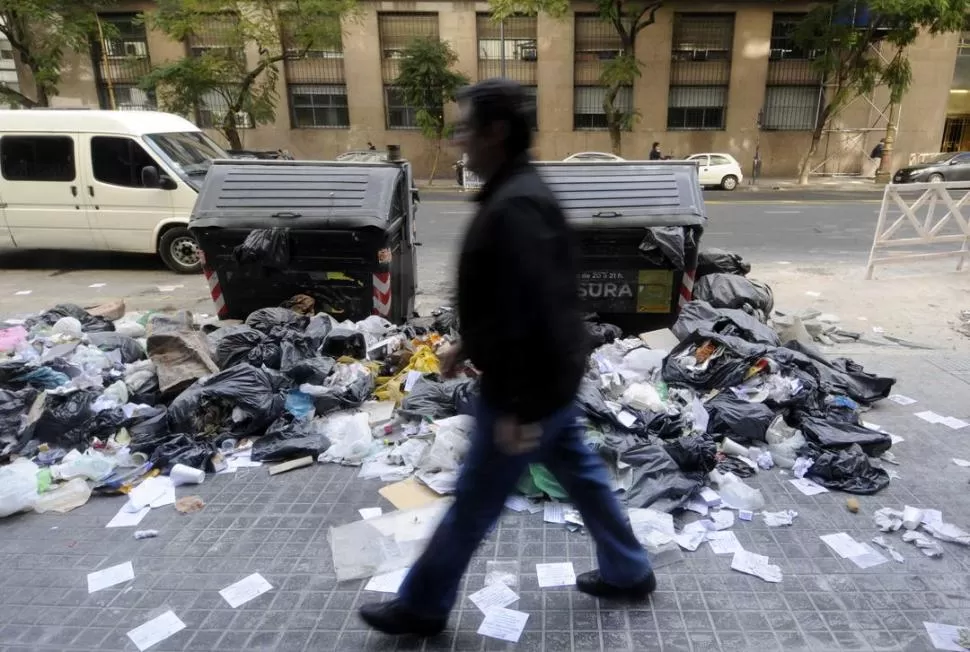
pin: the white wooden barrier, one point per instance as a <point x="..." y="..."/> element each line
<point x="932" y="216"/>
<point x="470" y="181"/>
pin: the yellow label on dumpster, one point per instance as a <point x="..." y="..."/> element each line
<point x="654" y="289"/>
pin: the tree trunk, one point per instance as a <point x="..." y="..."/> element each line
<point x="230" y="131"/>
<point x="41" y="91"/>
<point x="805" y="166"/>
<point x="614" y="118"/>
<point x="434" y="161"/>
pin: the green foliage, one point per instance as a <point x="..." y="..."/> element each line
<point x="42" y="33"/>
<point x="427" y="81"/>
<point x="224" y="29"/>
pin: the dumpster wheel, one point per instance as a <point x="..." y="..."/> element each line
<point x="179" y="251"/>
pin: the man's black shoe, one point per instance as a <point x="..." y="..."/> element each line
<point x="592" y="584"/>
<point x="397" y="620"/>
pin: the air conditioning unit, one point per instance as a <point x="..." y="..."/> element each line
<point x="243" y="119"/>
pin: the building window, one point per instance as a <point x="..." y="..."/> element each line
<point x="120" y="61"/>
<point x="596" y="42"/>
<point x="794" y="88"/>
<point x="315" y="81"/>
<point x="37" y="158"/>
<point x="320" y="105"/>
<point x="700" y="71"/>
<point x="532" y="93"/>
<point x="588" y="110"/>
<point x="519" y="34"/>
<point x="396" y="31"/>
<point x="217" y="35"/>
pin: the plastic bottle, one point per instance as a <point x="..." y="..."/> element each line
<point x="92" y="465"/>
<point x="65" y="498"/>
<point x="146" y="534"/>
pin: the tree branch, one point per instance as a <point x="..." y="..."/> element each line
<point x="16" y="96"/>
<point x="652" y="8"/>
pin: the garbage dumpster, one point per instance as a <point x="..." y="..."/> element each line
<point x="639" y="226"/>
<point x="346" y="232"/>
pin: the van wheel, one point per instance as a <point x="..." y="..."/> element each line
<point x="729" y="182"/>
<point x="179" y="251"/>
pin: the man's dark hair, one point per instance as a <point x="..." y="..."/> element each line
<point x="656" y="144"/>
<point x="501" y="100"/>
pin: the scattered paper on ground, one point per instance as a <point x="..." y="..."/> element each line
<point x="724" y="543"/>
<point x="408" y="494"/>
<point x="953" y="423"/>
<point x="245" y="590"/>
<point x="808" y="487"/>
<point x="126" y="518"/>
<point x="493" y="595"/>
<point x="504" y="624"/>
<point x="107" y="577"/>
<point x="723" y="519"/>
<point x="960" y="462"/>
<point x="156" y="491"/>
<point x="156" y="630"/>
<point x="930" y="417"/>
<point x="843" y="545"/>
<point x="554" y="512"/>
<point x="899" y="399"/>
<point x="517" y="503"/>
<point x="368" y="513"/>
<point x="945" y="637"/>
<point x="558" y="574"/>
<point x="388" y="582"/>
<point x="757" y="565"/>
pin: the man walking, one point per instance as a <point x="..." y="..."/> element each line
<point x="521" y="326"/>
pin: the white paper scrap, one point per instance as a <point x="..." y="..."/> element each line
<point x="869" y="558"/>
<point x="711" y="497"/>
<point x="932" y="517"/>
<point x="492" y="596"/>
<point x="412" y="378"/>
<point x="959" y="462"/>
<point x="899" y="399"/>
<point x="504" y="624"/>
<point x="128" y="518"/>
<point x="930" y="417"/>
<point x="690" y="541"/>
<point x="626" y="418"/>
<point x="813" y="294"/>
<point x="555" y="512"/>
<point x="844" y="546"/>
<point x="724" y="543"/>
<point x="368" y="513"/>
<point x="559" y="574"/>
<point x="151" y="490"/>
<point x="107" y="577"/>
<point x="745" y="515"/>
<point x="646" y="519"/>
<point x="156" y="630"/>
<point x="757" y="565"/>
<point x="808" y="487"/>
<point x="388" y="582"/>
<point x="97" y="285"/>
<point x="954" y="424"/>
<point x="23" y="293"/>
<point x="945" y="637"/>
<point x="245" y="590"/>
<point x="872" y="426"/>
<point x="896" y="439"/>
<point x="517" y="503"/>
<point x="697" y="506"/>
<point x="723" y="519"/>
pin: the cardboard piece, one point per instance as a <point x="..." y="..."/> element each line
<point x="113" y="310"/>
<point x="291" y="465"/>
<point x="663" y="339"/>
<point x="408" y="494"/>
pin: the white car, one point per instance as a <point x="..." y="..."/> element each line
<point x="587" y="157"/>
<point x="717" y="170"/>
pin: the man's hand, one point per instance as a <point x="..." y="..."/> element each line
<point x="449" y="360"/>
<point x="514" y="438"/>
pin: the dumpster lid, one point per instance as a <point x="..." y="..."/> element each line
<point x="624" y="194"/>
<point x="298" y="194"/>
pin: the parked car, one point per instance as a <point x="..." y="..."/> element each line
<point x="949" y="166"/>
<point x="717" y="169"/>
<point x="588" y="157"/>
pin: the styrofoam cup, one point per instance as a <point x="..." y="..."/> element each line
<point x="182" y="474"/>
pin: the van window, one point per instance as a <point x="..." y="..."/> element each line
<point x="119" y="161"/>
<point x="37" y="158"/>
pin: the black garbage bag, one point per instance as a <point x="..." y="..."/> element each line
<point x="345" y="396"/>
<point x="105" y="424"/>
<point x="693" y="453"/>
<point x="266" y="319"/>
<point x="9" y="370"/>
<point x="130" y="349"/>
<point x="465" y="394"/>
<point x="731" y="291"/>
<point x="600" y="334"/>
<point x="837" y="376"/>
<point x="700" y="315"/>
<point x="658" y="480"/>
<point x="445" y="321"/>
<point x="848" y="469"/>
<point x="342" y="341"/>
<point x="313" y="370"/>
<point x="183" y="449"/>
<point x="242" y="344"/>
<point x="317" y="330"/>
<point x="738" y="419"/>
<point x="835" y="435"/>
<point x="714" y="261"/>
<point x="591" y="400"/>
<point x="428" y="399"/>
<point x="668" y="241"/>
<point x="727" y="367"/>
<point x="89" y="322"/>
<point x="289" y="438"/>
<point x="154" y="424"/>
<point x="143" y="388"/>
<point x="13" y="407"/>
<point x="209" y="405"/>
<point x="295" y="348"/>
<point x="280" y="382"/>
<point x="269" y="248"/>
<point x="63" y="419"/>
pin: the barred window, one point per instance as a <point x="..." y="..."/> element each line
<point x="396" y="31"/>
<point x="533" y="94"/>
<point x="315" y="80"/>
<point x="700" y="71"/>
<point x="790" y="108"/>
<point x="521" y="50"/>
<point x="120" y="61"/>
<point x="794" y="87"/>
<point x="212" y="112"/>
<point x="217" y="33"/>
<point x="588" y="112"/>
<point x="319" y="105"/>
<point x="400" y="114"/>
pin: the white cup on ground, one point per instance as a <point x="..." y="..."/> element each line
<point x="182" y="474"/>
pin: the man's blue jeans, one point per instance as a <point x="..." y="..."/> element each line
<point x="488" y="477"/>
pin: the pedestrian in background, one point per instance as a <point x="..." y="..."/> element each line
<point x="655" y="154"/>
<point x="522" y="328"/>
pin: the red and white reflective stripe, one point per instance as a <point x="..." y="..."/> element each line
<point x="215" y="290"/>
<point x="382" y="294"/>
<point x="687" y="288"/>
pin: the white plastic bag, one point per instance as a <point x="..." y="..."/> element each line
<point x="736" y="494"/>
<point x="18" y="487"/>
<point x="784" y="443"/>
<point x="644" y="361"/>
<point x="91" y="465"/>
<point x="451" y="443"/>
<point x="350" y="437"/>
<point x="641" y="396"/>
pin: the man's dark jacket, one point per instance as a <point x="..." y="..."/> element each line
<point x="518" y="299"/>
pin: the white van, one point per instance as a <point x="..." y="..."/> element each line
<point x="108" y="180"/>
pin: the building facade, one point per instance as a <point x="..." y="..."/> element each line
<point x="717" y="77"/>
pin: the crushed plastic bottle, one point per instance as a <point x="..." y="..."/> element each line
<point x="92" y="465"/>
<point x="146" y="534"/>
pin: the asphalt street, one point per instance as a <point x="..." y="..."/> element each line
<point x="782" y="227"/>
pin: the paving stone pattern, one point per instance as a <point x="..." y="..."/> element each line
<point x="278" y="527"/>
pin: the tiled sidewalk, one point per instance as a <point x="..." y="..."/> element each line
<point x="278" y="527"/>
